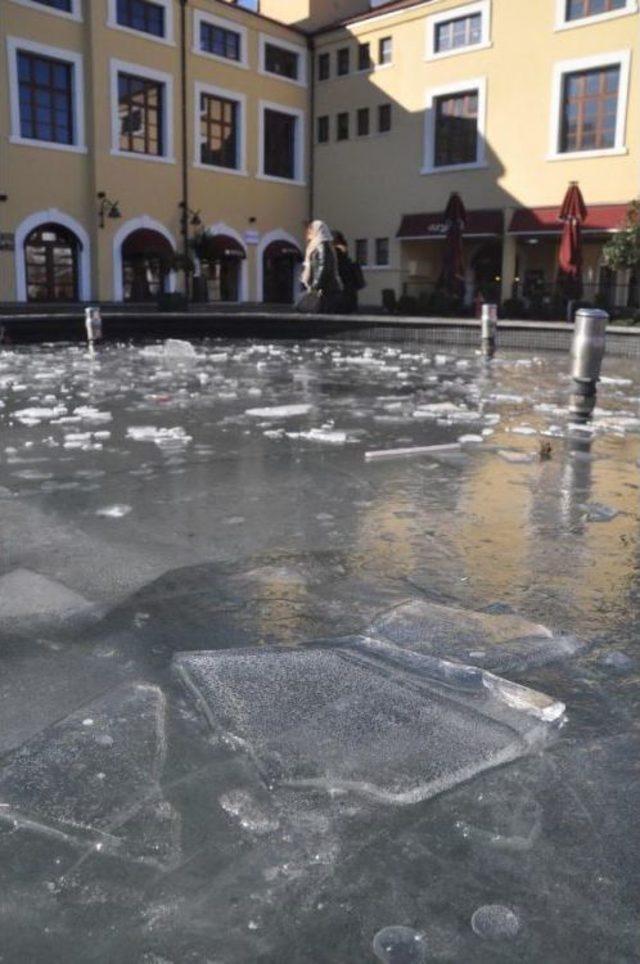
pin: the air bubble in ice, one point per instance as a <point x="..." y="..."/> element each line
<point x="495" y="922"/>
<point x="400" y="945"/>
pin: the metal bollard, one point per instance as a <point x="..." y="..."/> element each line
<point x="587" y="352"/>
<point x="489" y="327"/>
<point x="93" y="324"/>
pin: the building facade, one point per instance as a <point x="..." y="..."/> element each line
<point x="140" y="138"/>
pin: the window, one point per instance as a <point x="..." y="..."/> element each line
<point x="385" y="51"/>
<point x="343" y="61"/>
<point x="140" y="112"/>
<point x="64" y="5"/>
<point x="282" y="59"/>
<point x="382" y="252"/>
<point x="384" y="118"/>
<point x="456" y="139"/>
<point x="324" y="66"/>
<point x="141" y="15"/>
<point x="460" y="30"/>
<point x="218" y="131"/>
<point x="219" y="41"/>
<point x="362" y="252"/>
<point x="281" y="143"/>
<point x="342" y="127"/>
<point x="45" y="95"/>
<point x="51" y="264"/>
<point x="590" y="105"/>
<point x="578" y="9"/>
<point x="363" y="122"/>
<point x="62" y="8"/>
<point x="323" y="130"/>
<point x="364" y="56"/>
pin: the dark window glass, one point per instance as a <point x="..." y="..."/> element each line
<point x="342" y="127"/>
<point x="140" y="113"/>
<point x="456" y="140"/>
<point x="279" y="144"/>
<point x="589" y="110"/>
<point x="51" y="264"/>
<point x="223" y="43"/>
<point x="324" y="66"/>
<point x="363" y="122"/>
<point x="382" y="251"/>
<point x="323" y="130"/>
<point x="459" y="32"/>
<point x="278" y="60"/>
<point x="344" y="61"/>
<point x="577" y="9"/>
<point x="57" y="4"/>
<point x="46" y="99"/>
<point x="364" y="56"/>
<point x="384" y="118"/>
<point x="218" y="131"/>
<point x="141" y="15"/>
<point x="385" y="50"/>
<point x="362" y="251"/>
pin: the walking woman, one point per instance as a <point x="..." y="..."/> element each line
<point x="350" y="274"/>
<point x="320" y="272"/>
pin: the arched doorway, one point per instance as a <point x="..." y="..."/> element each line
<point x="280" y="268"/>
<point x="487" y="270"/>
<point x="146" y="263"/>
<point x="51" y="255"/>
<point x="221" y="258"/>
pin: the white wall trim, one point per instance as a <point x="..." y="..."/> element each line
<point x="53" y="215"/>
<point x="143" y="222"/>
<point x="480" y="85"/>
<point x="482" y="7"/>
<point x="276" y="235"/>
<point x="74" y="14"/>
<point x="168" y="38"/>
<point x="200" y="17"/>
<point x="301" y="80"/>
<point x="118" y="66"/>
<point x="14" y="46"/>
<point x="220" y="227"/>
<point x="621" y="58"/>
<point x="562" y="23"/>
<point x="241" y="146"/>
<point x="299" y="147"/>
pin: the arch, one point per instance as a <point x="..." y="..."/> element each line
<point x="144" y="222"/>
<point x="221" y="228"/>
<point x="276" y="235"/>
<point x="53" y="216"/>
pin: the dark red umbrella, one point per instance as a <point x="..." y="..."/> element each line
<point x="573" y="213"/>
<point x="455" y="219"/>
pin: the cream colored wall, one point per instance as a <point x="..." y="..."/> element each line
<point x="312" y="14"/>
<point x="364" y="186"/>
<point x="38" y="179"/>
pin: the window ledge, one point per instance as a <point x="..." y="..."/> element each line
<point x="132" y="155"/>
<point x="597" y="18"/>
<point x="227" y="61"/>
<point x="450" y="168"/>
<point x="216" y="169"/>
<point x="287" y="80"/>
<point x="580" y="155"/>
<point x="378" y="67"/>
<point x="296" y="182"/>
<point x="141" y="34"/>
<point x="48" y="145"/>
<point x="485" y="45"/>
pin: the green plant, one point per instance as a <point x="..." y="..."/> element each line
<point x="622" y="251"/>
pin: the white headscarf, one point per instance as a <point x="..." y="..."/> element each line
<point x="320" y="234"/>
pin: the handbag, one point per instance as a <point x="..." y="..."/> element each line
<point x="309" y="303"/>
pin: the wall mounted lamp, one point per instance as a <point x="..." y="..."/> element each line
<point x="190" y="216"/>
<point x="107" y="209"/>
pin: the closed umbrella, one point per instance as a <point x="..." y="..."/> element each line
<point x="573" y="213"/>
<point x="455" y="219"/>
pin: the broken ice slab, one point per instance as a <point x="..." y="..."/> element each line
<point x="380" y="454"/>
<point x="501" y="642"/>
<point x="31" y="600"/>
<point x="365" y="717"/>
<point x="515" y="457"/>
<point x="93" y="780"/>
<point x="280" y="411"/>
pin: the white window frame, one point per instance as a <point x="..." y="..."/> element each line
<point x="14" y="46"/>
<point x="263" y="40"/>
<point x="562" y="23"/>
<point x="200" y="17"/>
<point x="120" y="66"/>
<point x="482" y="7"/>
<point x="299" y="148"/>
<point x="167" y="5"/>
<point x="74" y="14"/>
<point x="620" y="58"/>
<point x="241" y="144"/>
<point x="473" y="83"/>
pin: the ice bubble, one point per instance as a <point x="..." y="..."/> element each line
<point x="400" y="945"/>
<point x="495" y="922"/>
<point x="114" y="511"/>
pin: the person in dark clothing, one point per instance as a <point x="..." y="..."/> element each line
<point x="350" y="275"/>
<point x="320" y="273"/>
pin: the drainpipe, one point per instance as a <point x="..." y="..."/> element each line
<point x="312" y="127"/>
<point x="184" y="222"/>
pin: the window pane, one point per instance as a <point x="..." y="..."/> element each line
<point x="143" y="15"/>
<point x="363" y="121"/>
<point x="324" y="66"/>
<point x="382" y="251"/>
<point x="323" y="130"/>
<point x="342" y="127"/>
<point x="45" y="98"/>
<point x="279" y="144"/>
<point x="589" y="110"/>
<point x="223" y="43"/>
<point x="219" y="131"/>
<point x="577" y="9"/>
<point x="458" y="32"/>
<point x="57" y="4"/>
<point x="278" y="60"/>
<point x="456" y="129"/>
<point x="386" y="50"/>
<point x="343" y="61"/>
<point x="362" y="251"/>
<point x="140" y="111"/>
<point x="384" y="118"/>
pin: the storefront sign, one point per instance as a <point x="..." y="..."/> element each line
<point x="7" y="241"/>
<point x="252" y="237"/>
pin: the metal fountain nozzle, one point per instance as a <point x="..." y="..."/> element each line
<point x="587" y="352"/>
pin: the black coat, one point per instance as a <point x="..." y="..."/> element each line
<point x="324" y="276"/>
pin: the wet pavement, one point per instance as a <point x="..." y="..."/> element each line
<point x="262" y="699"/>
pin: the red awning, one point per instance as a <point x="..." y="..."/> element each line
<point x="601" y="219"/>
<point x="147" y="243"/>
<point x="480" y="224"/>
<point x="217" y="247"/>
<point x="282" y="249"/>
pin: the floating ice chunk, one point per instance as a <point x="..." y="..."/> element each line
<point x="416" y="451"/>
<point x="34" y="415"/>
<point x="605" y="380"/>
<point x="90" y="414"/>
<point x="114" y="511"/>
<point x="506" y="398"/>
<point x="331" y="436"/>
<point x="249" y="813"/>
<point x="172" y="348"/>
<point x="280" y="411"/>
<point x="495" y="922"/>
<point x="471" y="439"/>
<point x="29" y="597"/>
<point x="597" y="512"/>
<point x="523" y="430"/>
<point x="515" y="457"/>
<point x="400" y="945"/>
<point x="163" y="437"/>
<point x="366" y="717"/>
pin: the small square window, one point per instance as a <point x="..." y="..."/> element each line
<point x="344" y="61"/>
<point x="282" y="62"/>
<point x="342" y="127"/>
<point x="142" y="15"/>
<point x="382" y="252"/>
<point x="385" y="50"/>
<point x="362" y="251"/>
<point x="323" y="129"/>
<point x="324" y="66"/>
<point x="384" y="118"/>
<point x="364" y="56"/>
<point x="363" y="122"/>
<point x="220" y="42"/>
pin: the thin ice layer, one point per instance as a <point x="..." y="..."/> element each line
<point x="495" y="641"/>
<point x="28" y="596"/>
<point x="366" y="717"/>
